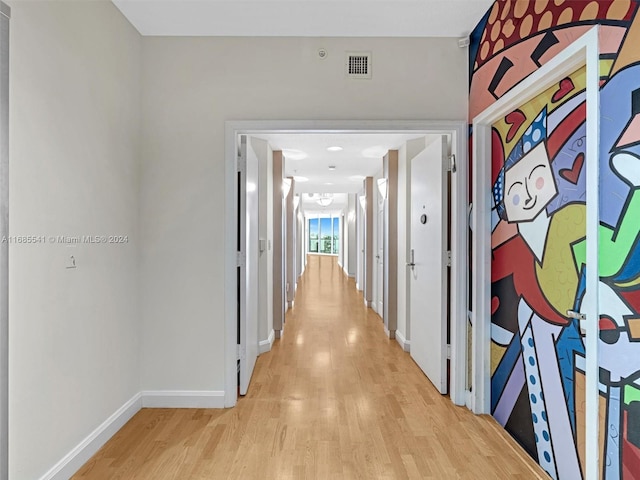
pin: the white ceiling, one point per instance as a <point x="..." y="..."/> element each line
<point x="361" y="156"/>
<point x="305" y="18"/>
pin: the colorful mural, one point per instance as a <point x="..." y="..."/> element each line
<point x="539" y="227"/>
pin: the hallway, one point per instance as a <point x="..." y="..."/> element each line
<point x="334" y="398"/>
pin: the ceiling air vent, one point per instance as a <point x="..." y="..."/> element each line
<point x="359" y="64"/>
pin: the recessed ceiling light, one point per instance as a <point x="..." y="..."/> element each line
<point x="300" y="179"/>
<point x="377" y="151"/>
<point x="292" y="154"/>
<point x="334" y="149"/>
<point x="332" y="167"/>
<point x="329" y="183"/>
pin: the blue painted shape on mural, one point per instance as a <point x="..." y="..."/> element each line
<point x="569" y="343"/>
<point x="615" y="113"/>
<point x="505" y="367"/>
<point x="582" y="287"/>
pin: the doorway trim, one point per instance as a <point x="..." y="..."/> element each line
<point x="458" y="308"/>
<point x="5" y="17"/>
<point x="583" y="51"/>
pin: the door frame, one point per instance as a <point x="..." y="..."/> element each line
<point x="459" y="140"/>
<point x="5" y="20"/>
<point x="583" y="51"/>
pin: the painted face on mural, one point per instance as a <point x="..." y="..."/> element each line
<point x="529" y="186"/>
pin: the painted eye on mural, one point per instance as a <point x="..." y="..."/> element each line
<point x="512" y="193"/>
<point x="538" y="178"/>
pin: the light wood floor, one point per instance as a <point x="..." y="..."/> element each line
<point x="334" y="399"/>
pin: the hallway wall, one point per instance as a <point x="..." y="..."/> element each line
<point x="192" y="85"/>
<point x="538" y="383"/>
<point x="74" y="137"/>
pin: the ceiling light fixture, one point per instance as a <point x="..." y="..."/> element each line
<point x="335" y="148"/>
<point x="332" y="167"/>
<point x="292" y="154"/>
<point x="377" y="151"/>
<point x="325" y="199"/>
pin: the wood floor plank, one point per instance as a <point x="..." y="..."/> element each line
<point x="334" y="399"/>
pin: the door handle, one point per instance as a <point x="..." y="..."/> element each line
<point x="576" y="315"/>
<point x="581" y="317"/>
<point x="412" y="262"/>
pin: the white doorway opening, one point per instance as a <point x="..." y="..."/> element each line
<point x="456" y="131"/>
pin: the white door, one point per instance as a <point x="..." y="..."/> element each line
<point x="428" y="263"/>
<point x="380" y="262"/>
<point x="249" y="246"/>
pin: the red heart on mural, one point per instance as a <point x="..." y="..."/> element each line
<point x="572" y="174"/>
<point x="565" y="87"/>
<point x="495" y="303"/>
<point x="515" y="119"/>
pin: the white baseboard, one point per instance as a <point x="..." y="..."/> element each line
<point x="390" y="333"/>
<point x="183" y="399"/>
<point x="346" y="272"/>
<point x="404" y="343"/>
<point x="76" y="458"/>
<point x="265" y="345"/>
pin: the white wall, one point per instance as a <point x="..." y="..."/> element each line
<point x="92" y="106"/>
<point x="75" y="129"/>
<point x="192" y="85"/>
